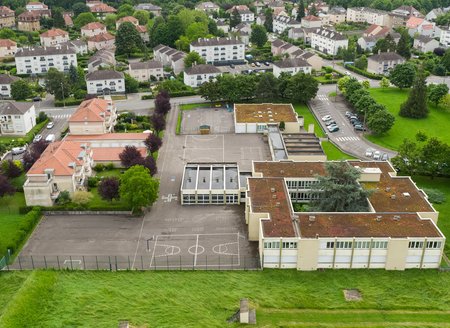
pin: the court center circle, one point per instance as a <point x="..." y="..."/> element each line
<point x="196" y="250"/>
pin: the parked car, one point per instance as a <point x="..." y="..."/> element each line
<point x="18" y="150"/>
<point x="37" y="98"/>
<point x="50" y="125"/>
<point x="253" y="64"/>
<point x="385" y="157"/>
<point x="50" y="138"/>
<point x="266" y="63"/>
<point x="356" y="122"/>
<point x="369" y="152"/>
<point x="333" y="128"/>
<point x="232" y="66"/>
<point x="352" y="117"/>
<point x="359" y="127"/>
<point x="376" y="155"/>
<point x="258" y="64"/>
<point x="326" y="118"/>
<point x="37" y="137"/>
<point x="328" y="123"/>
<point x="348" y="114"/>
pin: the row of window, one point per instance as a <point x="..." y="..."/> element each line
<point x="303" y="184"/>
<point x="210" y="199"/>
<point x="307" y="196"/>
<point x="420" y="244"/>
<point x="284" y="245"/>
<point x="357" y="244"/>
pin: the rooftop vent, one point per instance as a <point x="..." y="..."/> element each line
<point x="204" y="180"/>
<point x="406" y="194"/>
<point x="378" y="218"/>
<point x="388" y="189"/>
<point x="393" y="196"/>
<point x="312" y="218"/>
<point x="278" y="204"/>
<point x="397" y="217"/>
<point x="272" y="189"/>
<point x="274" y="196"/>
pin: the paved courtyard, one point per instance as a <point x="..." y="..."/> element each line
<point x="220" y="120"/>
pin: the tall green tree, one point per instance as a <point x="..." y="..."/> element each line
<point x="21" y="90"/>
<point x="403" y="75"/>
<point x="302" y="88"/>
<point x="380" y="122"/>
<point x="436" y="92"/>
<point x="193" y="58"/>
<point x="138" y="188"/>
<point x="128" y="39"/>
<point x="361" y="62"/>
<point x="339" y="190"/>
<point x="83" y="19"/>
<point x="142" y="16"/>
<point x="416" y="104"/>
<point x="301" y="10"/>
<point x="267" y="87"/>
<point x="57" y="84"/>
<point x="268" y="23"/>
<point x="385" y="45"/>
<point x="58" y="19"/>
<point x="259" y="35"/>
<point x="235" y="18"/>
<point x="313" y="10"/>
<point x="79" y="7"/>
<point x="445" y="61"/>
<point x="131" y="84"/>
<point x="404" y="45"/>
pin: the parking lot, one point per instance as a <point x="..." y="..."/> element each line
<point x="239" y="69"/>
<point x="220" y="120"/>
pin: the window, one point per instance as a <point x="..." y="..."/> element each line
<point x="344" y="244"/>
<point x="330" y="244"/>
<point x="272" y="245"/>
<point x="415" y="244"/>
<point x="434" y="244"/>
<point x="290" y="244"/>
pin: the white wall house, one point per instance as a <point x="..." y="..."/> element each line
<point x="246" y="16"/>
<point x="105" y="82"/>
<point x="220" y="50"/>
<point x="291" y="66"/>
<point x="16" y="118"/>
<point x="8" y="48"/>
<point x="53" y="37"/>
<point x="425" y="44"/>
<point x="170" y="57"/>
<point x="368" y="15"/>
<point x="328" y="41"/>
<point x="146" y="71"/>
<point x="282" y="23"/>
<point x="383" y="62"/>
<point x="38" y="60"/>
<point x="5" y="85"/>
<point x="93" y="29"/>
<point x="445" y="37"/>
<point x="196" y="75"/>
<point x="79" y="46"/>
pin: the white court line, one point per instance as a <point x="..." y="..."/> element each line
<point x="196" y="252"/>
<point x="223" y="148"/>
<point x="154" y="248"/>
<point x="199" y="234"/>
<point x="184" y="150"/>
<point x="137" y="245"/>
<point x="203" y="138"/>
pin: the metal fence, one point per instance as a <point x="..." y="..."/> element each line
<point x="139" y="262"/>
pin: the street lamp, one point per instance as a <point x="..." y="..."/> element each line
<point x="64" y="99"/>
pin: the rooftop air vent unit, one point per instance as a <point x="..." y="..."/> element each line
<point x="378" y="218"/>
<point x="272" y="189"/>
<point x="393" y="196"/>
<point x="388" y="189"/>
<point x="312" y="218"/>
<point x="274" y="196"/>
<point x="397" y="217"/>
<point x="406" y="194"/>
<point x="278" y="204"/>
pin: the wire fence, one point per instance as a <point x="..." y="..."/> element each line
<point x="139" y="262"/>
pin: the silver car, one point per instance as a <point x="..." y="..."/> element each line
<point x="369" y="152"/>
<point x="376" y="155"/>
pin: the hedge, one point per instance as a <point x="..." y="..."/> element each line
<point x="145" y="97"/>
<point x="28" y="138"/>
<point x="184" y="93"/>
<point x="74" y="207"/>
<point x="68" y="102"/>
<point x="363" y="73"/>
<point x="25" y="226"/>
<point x="328" y="82"/>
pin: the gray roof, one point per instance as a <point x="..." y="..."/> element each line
<point x="278" y="43"/>
<point x="291" y="62"/>
<point x="202" y="69"/>
<point x="7" y="79"/>
<point x="45" y="51"/>
<point x="14" y="108"/>
<point x="424" y="38"/>
<point x="146" y="65"/>
<point x="383" y="56"/>
<point x="104" y="75"/>
<point x="146" y="6"/>
<point x="216" y="42"/>
<point x="330" y="34"/>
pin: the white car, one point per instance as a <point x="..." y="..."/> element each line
<point x="326" y="118"/>
<point x="50" y="125"/>
<point x="376" y="155"/>
<point x="369" y="152"/>
<point x="50" y="138"/>
<point x="37" y="137"/>
<point x="18" y="150"/>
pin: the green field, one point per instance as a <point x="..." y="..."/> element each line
<point x="282" y="298"/>
<point x="436" y="124"/>
<point x="10" y="219"/>
<point x="303" y="110"/>
<point x="333" y="152"/>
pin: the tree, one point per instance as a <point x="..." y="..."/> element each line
<point x="259" y="35"/>
<point x="385" y="45"/>
<point x="364" y="103"/>
<point x="313" y="10"/>
<point x="131" y="84"/>
<point x="361" y="63"/>
<point x="434" y="156"/>
<point x="21" y="90"/>
<point x="58" y="19"/>
<point x="235" y="18"/>
<point x="402" y="75"/>
<point x="268" y="23"/>
<point x="153" y="143"/>
<point x="57" y="84"/>
<point x="108" y="188"/>
<point x="175" y="29"/>
<point x="73" y="74"/>
<point x="416" y="104"/>
<point x="339" y="190"/>
<point x="302" y="88"/>
<point x="193" y="58"/>
<point x="436" y="92"/>
<point x="210" y="91"/>
<point x="445" y="60"/>
<point x="110" y="21"/>
<point x="138" y="188"/>
<point x="130" y="156"/>
<point x="83" y="19"/>
<point x="357" y="95"/>
<point x="11" y="169"/>
<point x="162" y="103"/>
<point x="142" y="16"/>
<point x="6" y="33"/>
<point x="404" y="45"/>
<point x="384" y="83"/>
<point x="79" y="8"/>
<point x="301" y="10"/>
<point x="128" y="39"/>
<point x="150" y="164"/>
<point x="125" y="10"/>
<point x="81" y="197"/>
<point x="5" y="186"/>
<point x="158" y="122"/>
<point x="380" y="122"/>
<point x="267" y="87"/>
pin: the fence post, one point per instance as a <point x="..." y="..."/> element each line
<point x="32" y="261"/>
<point x="20" y="263"/>
<point x="96" y="261"/>
<point x="245" y="264"/>
<point x="110" y="266"/>
<point x="115" y="261"/>
<point x="57" y="261"/>
<point x="142" y="263"/>
<point x="71" y="265"/>
<point x="180" y="263"/>
<point x="84" y="264"/>
<point x="219" y="262"/>
<point x="45" y="262"/>
<point x="129" y="263"/>
<point x="167" y="262"/>
<point x="206" y="262"/>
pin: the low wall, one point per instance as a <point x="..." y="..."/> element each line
<point x="127" y="213"/>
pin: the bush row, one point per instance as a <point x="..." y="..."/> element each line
<point x="75" y="207"/>
<point x="25" y="226"/>
<point x="363" y="73"/>
<point x="68" y="102"/>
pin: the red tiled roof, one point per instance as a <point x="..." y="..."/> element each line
<point x="68" y="20"/>
<point x="7" y="43"/>
<point x="93" y="26"/>
<point x="311" y="18"/>
<point x="413" y="22"/>
<point x="102" y="8"/>
<point x="141" y="29"/>
<point x="130" y="19"/>
<point x="54" y="32"/>
<point x="101" y="37"/>
<point x="93" y="110"/>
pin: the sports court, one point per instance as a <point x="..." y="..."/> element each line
<point x="220" y="120"/>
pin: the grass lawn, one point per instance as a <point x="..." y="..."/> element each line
<point x="334" y="153"/>
<point x="442" y="184"/>
<point x="10" y="219"/>
<point x="192" y="106"/>
<point x="207" y="299"/>
<point x="303" y="110"/>
<point x="436" y="124"/>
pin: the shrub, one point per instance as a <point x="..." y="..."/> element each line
<point x="435" y="196"/>
<point x="81" y="198"/>
<point x="363" y="73"/>
<point x="328" y="76"/>
<point x="146" y="97"/>
<point x="63" y="198"/>
<point x="110" y="166"/>
<point x="99" y="167"/>
<point x="93" y="182"/>
<point x="328" y="69"/>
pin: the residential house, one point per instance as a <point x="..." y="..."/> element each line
<point x="129" y="19"/>
<point x="282" y="23"/>
<point x="335" y="15"/>
<point x="28" y="21"/>
<point x="39" y="9"/>
<point x="170" y="57"/>
<point x="368" y="15"/>
<point x="38" y="60"/>
<point x="328" y="41"/>
<point x="8" y="48"/>
<point x="101" y="41"/>
<point x="373" y="33"/>
<point x="5" y="85"/>
<point x="150" y="70"/>
<point x="105" y="82"/>
<point x="155" y="10"/>
<point x="311" y="22"/>
<point x="291" y="66"/>
<point x="68" y="20"/>
<point x="63" y="166"/>
<point x="420" y="26"/>
<point x="276" y="6"/>
<point x="17" y="118"/>
<point x="100" y="10"/>
<point x="53" y="37"/>
<point x="7" y="17"/>
<point x="445" y="37"/>
<point x="208" y="7"/>
<point x="93" y="29"/>
<point x="384" y="62"/>
<point x="425" y="43"/>
<point x="102" y="59"/>
<point x="435" y="13"/>
<point x="140" y="28"/>
<point x="243" y="32"/>
<point x="94" y="116"/>
<point x="80" y="46"/>
<point x="246" y="15"/>
<point x="399" y="17"/>
<point x="220" y="50"/>
<point x="221" y="25"/>
<point x="143" y="32"/>
<point x="196" y="75"/>
<point x="282" y="48"/>
<point x="260" y="19"/>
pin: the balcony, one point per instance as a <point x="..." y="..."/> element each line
<point x="54" y="194"/>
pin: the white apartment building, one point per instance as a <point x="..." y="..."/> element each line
<point x="16" y="118"/>
<point x="38" y="60"/>
<point x="8" y="48"/>
<point x="196" y="75"/>
<point x="170" y="57"/>
<point x="220" y="50"/>
<point x="368" y="15"/>
<point x="383" y="62"/>
<point x="105" y="82"/>
<point x="445" y="37"/>
<point x="282" y="23"/>
<point x="92" y="29"/>
<point x="246" y="16"/>
<point x="80" y="46"/>
<point x="146" y="71"/>
<point x="5" y="85"/>
<point x="328" y="41"/>
<point x="53" y="37"/>
<point x="291" y="66"/>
